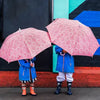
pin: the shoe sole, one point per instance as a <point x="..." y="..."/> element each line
<point x="24" y="95"/>
<point x="33" y="94"/>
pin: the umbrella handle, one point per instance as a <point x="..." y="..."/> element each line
<point x="62" y="54"/>
<point x="18" y="63"/>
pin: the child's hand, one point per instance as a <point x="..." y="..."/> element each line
<point x="64" y="51"/>
<point x="32" y="64"/>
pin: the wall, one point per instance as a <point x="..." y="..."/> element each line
<point x="87" y="70"/>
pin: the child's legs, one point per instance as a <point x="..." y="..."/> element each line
<point x="60" y="77"/>
<point x="23" y="89"/>
<point x="69" y="77"/>
<point x="32" y="92"/>
<point x="23" y="84"/>
<point x="32" y="84"/>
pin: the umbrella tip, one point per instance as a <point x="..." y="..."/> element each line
<point x="19" y="29"/>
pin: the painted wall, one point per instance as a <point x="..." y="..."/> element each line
<point x="83" y="77"/>
<point x="61" y="9"/>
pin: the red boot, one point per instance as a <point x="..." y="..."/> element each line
<point x="24" y="91"/>
<point x="32" y="92"/>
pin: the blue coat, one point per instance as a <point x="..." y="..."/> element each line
<point x="25" y="69"/>
<point x="64" y="63"/>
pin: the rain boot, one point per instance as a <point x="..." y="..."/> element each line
<point x="58" y="89"/>
<point x="32" y="92"/>
<point x="69" y="85"/>
<point x="23" y="90"/>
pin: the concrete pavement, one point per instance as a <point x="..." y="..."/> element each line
<point x="48" y="94"/>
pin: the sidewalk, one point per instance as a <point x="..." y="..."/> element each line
<point x="48" y="94"/>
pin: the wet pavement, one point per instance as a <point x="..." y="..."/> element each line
<point x="48" y="94"/>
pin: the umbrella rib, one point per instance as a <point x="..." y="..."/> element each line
<point x="26" y="44"/>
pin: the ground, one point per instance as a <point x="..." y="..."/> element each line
<point x="48" y="94"/>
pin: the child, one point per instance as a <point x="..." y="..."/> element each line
<point x="27" y="73"/>
<point x="65" y="67"/>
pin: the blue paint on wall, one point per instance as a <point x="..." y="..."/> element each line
<point x="89" y="18"/>
<point x="98" y="50"/>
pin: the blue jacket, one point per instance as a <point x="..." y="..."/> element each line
<point x="64" y="63"/>
<point x="25" y="69"/>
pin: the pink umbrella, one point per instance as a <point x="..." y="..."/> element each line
<point x="73" y="36"/>
<point x="24" y="44"/>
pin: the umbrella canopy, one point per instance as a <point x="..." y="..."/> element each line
<point x="24" y="44"/>
<point x="73" y="36"/>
